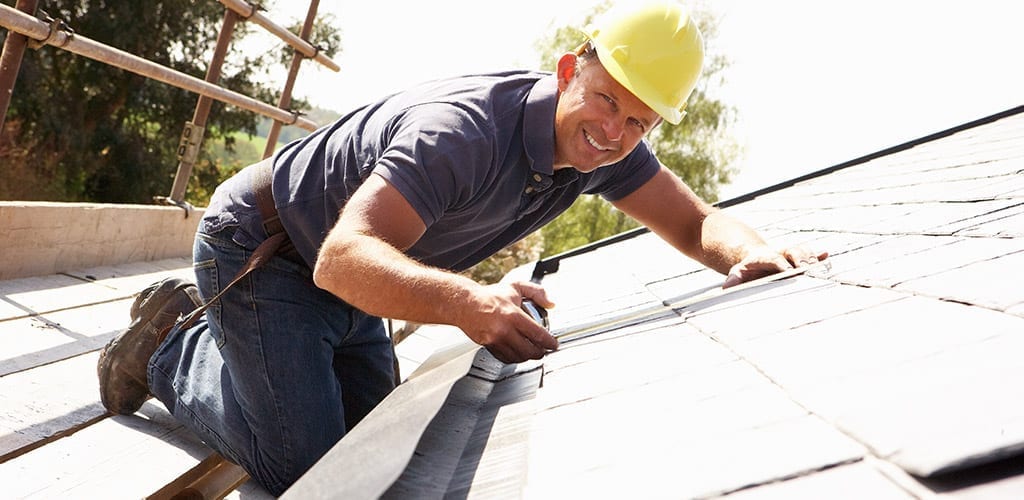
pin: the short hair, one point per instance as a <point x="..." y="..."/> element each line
<point x="585" y="54"/>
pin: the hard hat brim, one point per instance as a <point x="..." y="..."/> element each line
<point x="638" y="88"/>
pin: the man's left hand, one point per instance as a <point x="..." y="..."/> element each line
<point x="765" y="261"/>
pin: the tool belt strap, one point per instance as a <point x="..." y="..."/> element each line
<point x="277" y="242"/>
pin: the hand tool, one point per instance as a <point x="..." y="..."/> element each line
<point x="538" y="313"/>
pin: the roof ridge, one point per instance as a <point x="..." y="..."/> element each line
<point x="872" y="156"/>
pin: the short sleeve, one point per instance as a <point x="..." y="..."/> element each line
<point x="434" y="155"/>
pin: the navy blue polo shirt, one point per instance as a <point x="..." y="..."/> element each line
<point x="472" y="155"/>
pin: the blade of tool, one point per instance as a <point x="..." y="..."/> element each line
<point x="538" y="313"/>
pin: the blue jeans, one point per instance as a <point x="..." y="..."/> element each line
<point x="277" y="371"/>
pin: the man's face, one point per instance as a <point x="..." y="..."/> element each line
<point x="597" y="121"/>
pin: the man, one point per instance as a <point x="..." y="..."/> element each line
<point x="381" y="207"/>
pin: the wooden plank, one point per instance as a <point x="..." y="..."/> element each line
<point x="129" y="456"/>
<point x="132" y="278"/>
<point x="56" y="317"/>
<point x="214" y="477"/>
<point x="56" y="439"/>
<point x="35" y="341"/>
<point x="47" y="402"/>
<point x="418" y="346"/>
<point x="42" y="294"/>
<point x="25" y="297"/>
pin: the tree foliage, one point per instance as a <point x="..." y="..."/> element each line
<point x="81" y="130"/>
<point x="699" y="150"/>
<point x="498" y="265"/>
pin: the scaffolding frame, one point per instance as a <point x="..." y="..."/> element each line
<point x="24" y="29"/>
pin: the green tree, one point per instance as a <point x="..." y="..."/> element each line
<point x="699" y="150"/>
<point x="498" y="265"/>
<point x="81" y="130"/>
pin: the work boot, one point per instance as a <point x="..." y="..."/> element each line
<point x="124" y="361"/>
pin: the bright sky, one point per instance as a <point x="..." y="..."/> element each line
<point x="814" y="83"/>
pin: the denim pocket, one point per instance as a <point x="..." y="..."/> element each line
<point x="209" y="287"/>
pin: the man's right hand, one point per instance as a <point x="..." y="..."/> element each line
<point x="362" y="262"/>
<point x="497" y="321"/>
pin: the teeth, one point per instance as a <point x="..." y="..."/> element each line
<point x="593" y="142"/>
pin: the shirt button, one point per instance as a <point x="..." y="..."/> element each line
<point x="537" y="177"/>
<point x="529" y="189"/>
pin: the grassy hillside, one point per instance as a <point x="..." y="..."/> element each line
<point x="249" y="149"/>
<point x="225" y="161"/>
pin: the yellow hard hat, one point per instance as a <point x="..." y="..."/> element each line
<point x="655" y="50"/>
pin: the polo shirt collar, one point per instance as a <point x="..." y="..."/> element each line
<point x="539" y="125"/>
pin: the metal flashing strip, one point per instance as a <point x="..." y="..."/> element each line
<point x="387" y="437"/>
<point x="577" y="332"/>
<point x="457" y="452"/>
<point x="420" y="435"/>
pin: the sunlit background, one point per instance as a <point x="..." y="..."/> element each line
<point x="814" y="83"/>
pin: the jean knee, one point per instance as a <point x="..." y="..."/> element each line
<point x="278" y="475"/>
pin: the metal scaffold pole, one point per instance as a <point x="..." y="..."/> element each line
<point x="293" y="72"/>
<point x="10" y="60"/>
<point x="300" y="43"/>
<point x="26" y="30"/>
<point x="192" y="135"/>
<point x="48" y="34"/>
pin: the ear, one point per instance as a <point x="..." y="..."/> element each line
<point x="566" y="70"/>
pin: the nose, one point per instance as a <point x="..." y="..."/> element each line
<point x="614" y="128"/>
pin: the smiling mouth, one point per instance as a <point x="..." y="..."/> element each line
<point x="594" y="143"/>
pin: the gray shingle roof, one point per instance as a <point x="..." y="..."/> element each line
<point x="896" y="373"/>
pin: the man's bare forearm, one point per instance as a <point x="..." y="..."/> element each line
<point x="377" y="278"/>
<point x="725" y="241"/>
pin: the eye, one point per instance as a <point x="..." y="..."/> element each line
<point x="638" y="124"/>
<point x="608" y="100"/>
